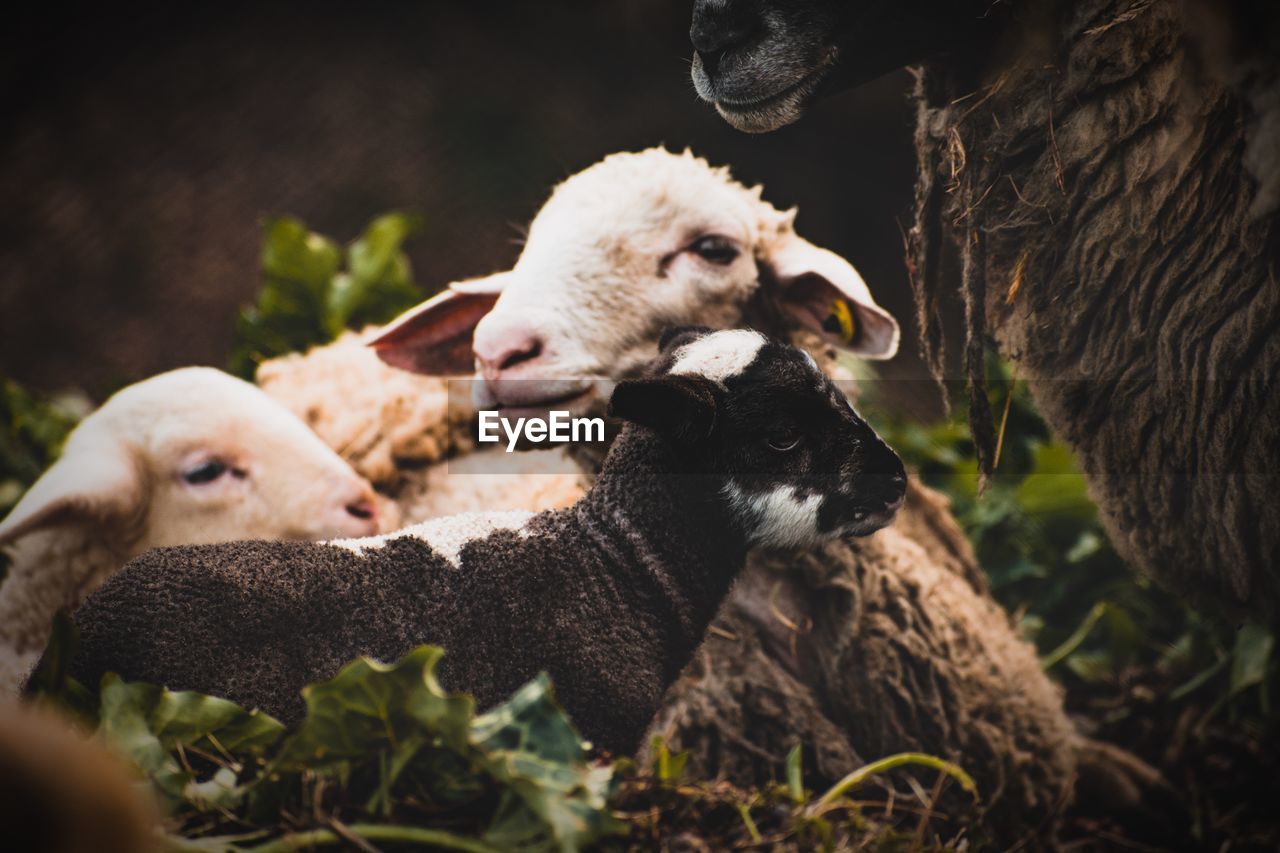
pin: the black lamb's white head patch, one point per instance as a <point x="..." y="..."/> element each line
<point x="718" y="356"/>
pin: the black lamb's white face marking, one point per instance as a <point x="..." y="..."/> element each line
<point x="799" y="465"/>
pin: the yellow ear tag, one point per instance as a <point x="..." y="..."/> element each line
<point x="841" y="321"/>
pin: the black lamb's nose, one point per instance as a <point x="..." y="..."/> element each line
<point x="880" y="462"/>
<point x="877" y="458"/>
<point x="719" y="25"/>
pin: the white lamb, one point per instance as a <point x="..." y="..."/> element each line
<point x="186" y="457"/>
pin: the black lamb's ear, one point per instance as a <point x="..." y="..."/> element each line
<point x="678" y="336"/>
<point x="682" y="409"/>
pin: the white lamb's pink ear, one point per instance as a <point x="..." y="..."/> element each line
<point x="435" y="337"/>
<point x="91" y="483"/>
<point x="823" y="292"/>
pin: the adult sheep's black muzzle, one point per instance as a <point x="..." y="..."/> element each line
<point x="720" y="25"/>
<point x="761" y="62"/>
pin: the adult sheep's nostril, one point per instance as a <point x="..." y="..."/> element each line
<point x="720" y="25"/>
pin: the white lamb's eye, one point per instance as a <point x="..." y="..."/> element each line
<point x="716" y="249"/>
<point x="784" y="439"/>
<point x="205" y="472"/>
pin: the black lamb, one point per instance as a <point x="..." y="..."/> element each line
<point x="733" y="440"/>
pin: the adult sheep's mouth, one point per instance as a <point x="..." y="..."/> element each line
<point x="761" y="115"/>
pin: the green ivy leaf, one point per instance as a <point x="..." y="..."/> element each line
<point x="1086" y="545"/>
<point x="667" y="767"/>
<point x="1249" y="660"/>
<point x="380" y="282"/>
<point x="308" y="298"/>
<point x="369" y="707"/>
<point x="1091" y="666"/>
<point x="152" y="726"/>
<point x="552" y="793"/>
<point x="292" y="252"/>
<point x="1055" y="488"/>
<point x="375" y="255"/>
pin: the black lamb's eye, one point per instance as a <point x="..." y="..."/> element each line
<point x="716" y="249"/>
<point x="784" y="439"/>
<point x="205" y="472"/>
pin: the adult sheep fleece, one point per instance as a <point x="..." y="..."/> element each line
<point x="1109" y="171"/>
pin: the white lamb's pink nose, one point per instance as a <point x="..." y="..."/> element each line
<point x="501" y="343"/>
<point x="359" y="513"/>
<point x="363" y="509"/>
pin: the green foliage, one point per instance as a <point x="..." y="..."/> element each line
<point x="313" y="289"/>
<point x="399" y="709"/>
<point x="165" y="732"/>
<point x="384" y="756"/>
<point x="795" y="783"/>
<point x="32" y="432"/>
<point x="553" y="798"/>
<point x="382" y="751"/>
<point x="1037" y="535"/>
<point x="51" y="680"/>
<point x="667" y="768"/>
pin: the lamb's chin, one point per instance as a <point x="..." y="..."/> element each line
<point x="869" y="524"/>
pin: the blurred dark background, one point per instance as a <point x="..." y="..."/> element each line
<point x="143" y="144"/>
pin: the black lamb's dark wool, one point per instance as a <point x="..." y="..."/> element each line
<point x="613" y="624"/>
